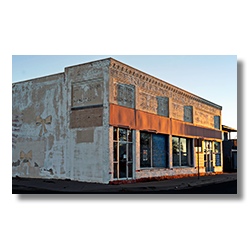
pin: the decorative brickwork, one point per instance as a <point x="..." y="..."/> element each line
<point x="150" y="91"/>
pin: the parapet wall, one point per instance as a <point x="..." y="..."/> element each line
<point x="135" y="89"/>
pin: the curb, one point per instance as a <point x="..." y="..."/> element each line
<point x="178" y="186"/>
<point x="167" y="177"/>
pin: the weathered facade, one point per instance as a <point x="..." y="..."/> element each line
<point x="229" y="149"/>
<point x="105" y="121"/>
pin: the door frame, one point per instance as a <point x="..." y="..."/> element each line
<point x="208" y="156"/>
<point x="127" y="161"/>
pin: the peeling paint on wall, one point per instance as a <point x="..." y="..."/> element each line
<point x="16" y="126"/>
<point x="40" y="94"/>
<point x="148" y="102"/>
<point x="40" y="121"/>
<point x="86" y="135"/>
<point x="25" y="158"/>
<point x="86" y="118"/>
<point x="87" y="93"/>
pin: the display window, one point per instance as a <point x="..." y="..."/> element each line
<point x="182" y="152"/>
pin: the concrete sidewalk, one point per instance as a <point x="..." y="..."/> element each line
<point x="26" y="185"/>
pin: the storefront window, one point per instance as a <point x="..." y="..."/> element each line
<point x="176" y="153"/>
<point x="145" y="152"/>
<point x="122" y="134"/>
<point x="115" y="134"/>
<point x="182" y="149"/>
<point x="183" y="142"/>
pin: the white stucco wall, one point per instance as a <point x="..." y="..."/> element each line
<point x="89" y="160"/>
<point x="69" y="149"/>
<point x="36" y="153"/>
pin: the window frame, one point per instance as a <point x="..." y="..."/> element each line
<point x="151" y="152"/>
<point x="219" y="121"/>
<point x="219" y="151"/>
<point x="185" y="107"/>
<point x="118" y="142"/>
<point x="190" y="159"/>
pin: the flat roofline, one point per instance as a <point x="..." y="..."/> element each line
<point x="108" y="58"/>
<point x="209" y="102"/>
<point x="111" y="58"/>
<point x="28" y="80"/>
<point x="61" y="72"/>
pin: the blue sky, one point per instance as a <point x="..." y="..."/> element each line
<point x="211" y="77"/>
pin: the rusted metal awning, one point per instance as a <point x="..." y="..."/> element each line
<point x="140" y="120"/>
<point x="180" y="128"/>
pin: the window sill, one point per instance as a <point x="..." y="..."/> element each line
<point x="122" y="179"/>
<point x="152" y="169"/>
<point x="182" y="167"/>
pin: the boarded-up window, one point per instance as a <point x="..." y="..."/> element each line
<point x="153" y="151"/>
<point x="163" y="106"/>
<point x="188" y="114"/>
<point x="159" y="150"/>
<point x="86" y="118"/>
<point x="217" y="122"/>
<point x="87" y="93"/>
<point x="126" y="95"/>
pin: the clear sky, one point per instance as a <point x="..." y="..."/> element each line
<point x="211" y="77"/>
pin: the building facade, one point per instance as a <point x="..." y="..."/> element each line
<point x="229" y="147"/>
<point x="105" y="121"/>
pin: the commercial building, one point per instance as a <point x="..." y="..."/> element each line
<point x="105" y="121"/>
<point x="229" y="147"/>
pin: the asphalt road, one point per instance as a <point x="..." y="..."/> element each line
<point x="229" y="187"/>
<point x="226" y="195"/>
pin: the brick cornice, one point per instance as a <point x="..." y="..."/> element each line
<point x="126" y="69"/>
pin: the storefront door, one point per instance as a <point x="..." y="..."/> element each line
<point x="125" y="160"/>
<point x="123" y="154"/>
<point x="208" y="156"/>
